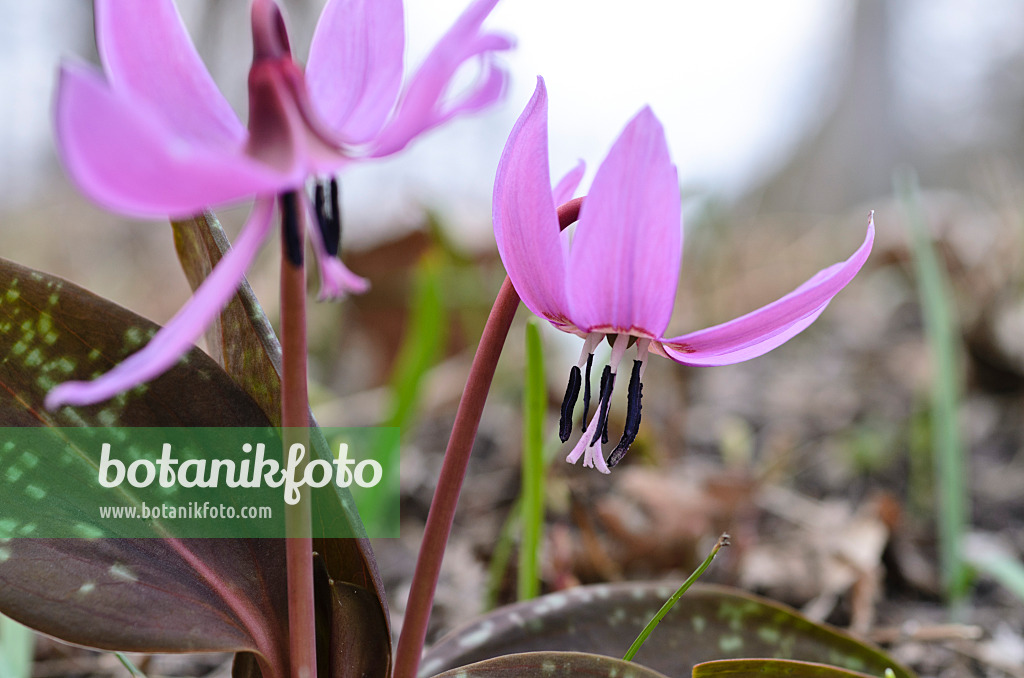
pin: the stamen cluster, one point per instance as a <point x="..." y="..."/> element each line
<point x="598" y="431"/>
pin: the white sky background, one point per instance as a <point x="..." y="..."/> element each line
<point x="735" y="83"/>
<point x="723" y="77"/>
<point x="731" y="81"/>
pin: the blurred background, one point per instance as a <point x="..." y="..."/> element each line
<point x="788" y="121"/>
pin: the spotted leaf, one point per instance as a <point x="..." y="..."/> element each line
<point x="552" y="665"/>
<point x="709" y="623"/>
<point x="148" y="595"/>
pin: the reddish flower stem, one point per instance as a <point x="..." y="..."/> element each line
<point x="294" y="423"/>
<point x="453" y="470"/>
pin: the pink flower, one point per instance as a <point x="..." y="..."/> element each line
<point x="152" y="136"/>
<point x="618" y="274"/>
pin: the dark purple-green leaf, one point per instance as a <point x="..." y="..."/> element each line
<point x="52" y="331"/>
<point x="781" y="668"/>
<point x="151" y="595"/>
<point x="126" y="594"/>
<point x="708" y="623"/>
<point x="552" y="665"/>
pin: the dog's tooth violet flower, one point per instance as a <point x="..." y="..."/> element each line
<point x="151" y="136"/>
<point x="617" y="276"/>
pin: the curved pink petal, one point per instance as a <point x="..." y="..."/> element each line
<point x="525" y="220"/>
<point x="758" y="332"/>
<point x="148" y="55"/>
<point x="178" y="336"/>
<point x="624" y="261"/>
<point x="422" y="106"/>
<point x="336" y="280"/>
<point x="355" y="65"/>
<point x="126" y="160"/>
<point x="568" y="184"/>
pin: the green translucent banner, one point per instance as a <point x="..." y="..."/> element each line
<point x="196" y="482"/>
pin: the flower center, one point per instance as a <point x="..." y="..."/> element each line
<point x="597" y="430"/>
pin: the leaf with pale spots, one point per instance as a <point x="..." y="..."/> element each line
<point x="147" y="595"/>
<point x="244" y="343"/>
<point x="552" y="665"/>
<point x="52" y="331"/>
<point x="772" y="668"/>
<point x="151" y="595"/>
<point x="709" y="623"/>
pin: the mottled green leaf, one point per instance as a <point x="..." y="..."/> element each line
<point x="552" y="665"/>
<point x="785" y="668"/>
<point x="708" y="623"/>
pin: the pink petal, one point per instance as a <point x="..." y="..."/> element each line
<point x="760" y="331"/>
<point x="336" y="280"/>
<point x="525" y="221"/>
<point x="127" y="160"/>
<point x="568" y="184"/>
<point x="178" y="336"/>
<point x="355" y="65"/>
<point x="422" y="106"/>
<point x="148" y="56"/>
<point x="624" y="261"/>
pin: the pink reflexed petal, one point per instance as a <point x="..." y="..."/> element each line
<point x="178" y="336"/>
<point x="760" y="331"/>
<point x="148" y="56"/>
<point x="421" y="106"/>
<point x="624" y="261"/>
<point x="335" y="279"/>
<point x="568" y="184"/>
<point x="355" y="65"/>
<point x="128" y="161"/>
<point x="706" y="354"/>
<point x="525" y="220"/>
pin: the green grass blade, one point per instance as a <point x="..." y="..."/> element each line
<point x="1006" y="570"/>
<point x="17" y="645"/>
<point x="501" y="556"/>
<point x="941" y="333"/>
<point x="503" y="548"/>
<point x="991" y="556"/>
<point x="421" y="348"/>
<point x="128" y="664"/>
<point x="670" y="603"/>
<point x="422" y="344"/>
<point x="532" y="506"/>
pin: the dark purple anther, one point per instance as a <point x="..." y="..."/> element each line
<point x="632" y="416"/>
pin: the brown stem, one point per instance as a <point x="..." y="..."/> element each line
<point x="294" y="423"/>
<point x="453" y="470"/>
